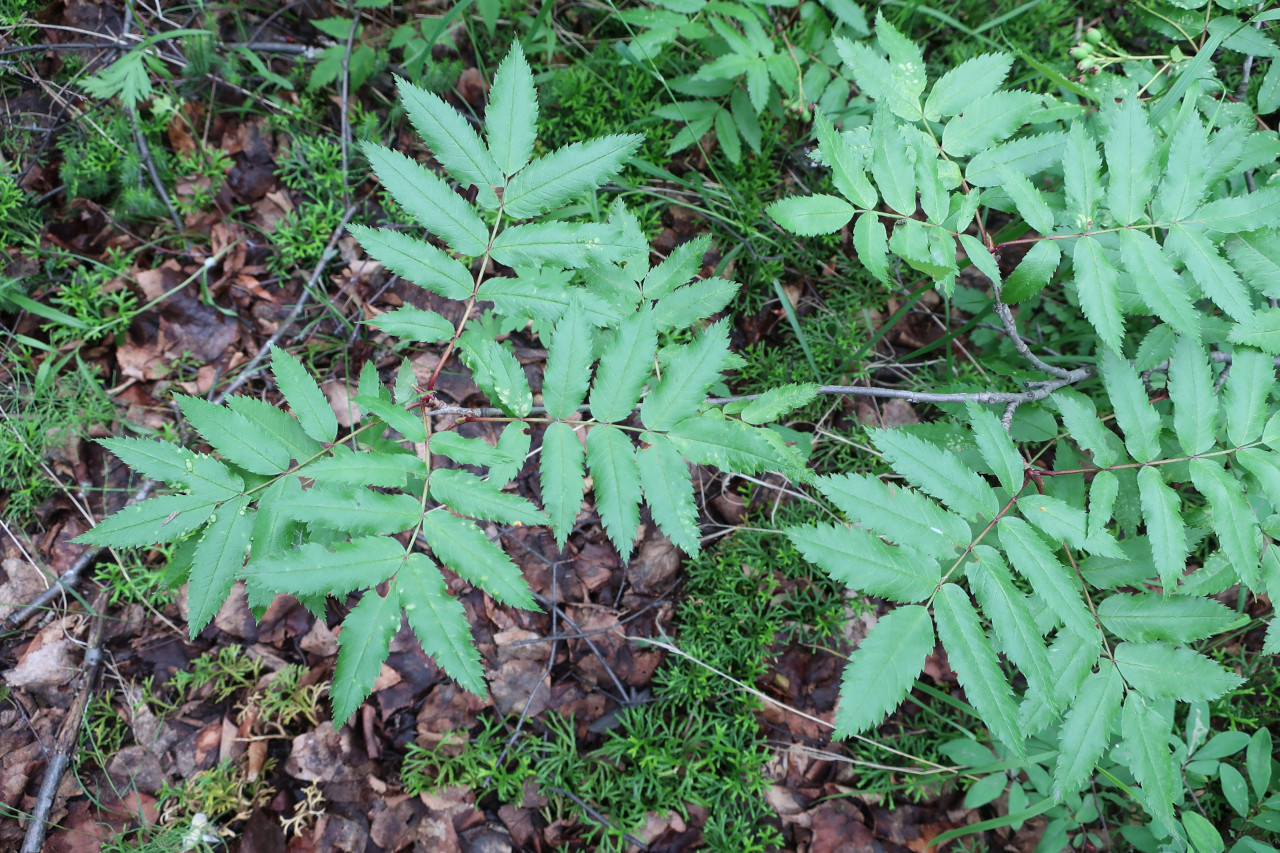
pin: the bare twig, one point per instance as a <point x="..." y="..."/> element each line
<point x="343" y="105"/>
<point x="60" y="758"/>
<point x="1006" y="317"/>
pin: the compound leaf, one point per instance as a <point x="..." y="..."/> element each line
<point x="511" y="118"/>
<point x="938" y="472"/>
<point x="459" y="544"/>
<point x="567" y="173"/>
<point x="560" y="474"/>
<point x="429" y="200"/>
<point x="466" y="493"/>
<point x="1086" y="730"/>
<point x="416" y="261"/>
<point x="1162" y="671"/>
<point x="453" y="141"/>
<point x="668" y="489"/>
<point x="970" y="654"/>
<point x="363" y="645"/>
<point x="314" y="569"/>
<point x="218" y="558"/>
<point x="439" y="621"/>
<point x="883" y="668"/>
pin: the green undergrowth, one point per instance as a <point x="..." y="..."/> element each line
<point x="697" y="741"/>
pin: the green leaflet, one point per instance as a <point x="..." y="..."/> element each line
<point x="459" y="544"/>
<point x="1265" y="468"/>
<point x="1158" y="283"/>
<point x="304" y="396"/>
<point x="1234" y="214"/>
<point x="511" y="119"/>
<point x="970" y="654"/>
<point x="233" y="435"/>
<point x="161" y="519"/>
<point x="693" y="302"/>
<point x="894" y="173"/>
<point x="906" y="68"/>
<point x="1233" y="520"/>
<point x="1011" y="619"/>
<point x="1097" y="282"/>
<point x="938" y="472"/>
<point x="565" y="244"/>
<point x="1185" y="176"/>
<point x="811" y="215"/>
<point x="543" y="295"/>
<point x="314" y="569"/>
<point x="407" y="423"/>
<point x="616" y="475"/>
<point x="496" y="370"/>
<point x="1261" y="330"/>
<point x="1071" y="657"/>
<point x="1032" y="273"/>
<point x="1086" y="730"/>
<point x="569" y="357"/>
<point x="283" y="427"/>
<point x="872" y="244"/>
<point x="624" y="366"/>
<point x="693" y="369"/>
<point x="1252" y="377"/>
<point x="567" y="173"/>
<point x="363" y="645"/>
<point x="865" y="563"/>
<point x="1162" y="671"/>
<point x="883" y="668"/>
<point x="468" y="451"/>
<point x="668" y="489"/>
<point x="354" y="510"/>
<point x="1058" y="519"/>
<point x="416" y="261"/>
<point x="439" y="621"/>
<point x="1256" y="256"/>
<point x="728" y="136"/>
<point x="775" y="402"/>
<point x="218" y="558"/>
<point x="1211" y="271"/>
<point x="847" y="169"/>
<point x="348" y="468"/>
<point x="429" y="200"/>
<point x="1134" y="413"/>
<point x="1146" y="739"/>
<point x="1146" y="617"/>
<point x="466" y="493"/>
<point x="1081" y="419"/>
<point x="414" y="324"/>
<point x="1026" y="156"/>
<point x="1029" y="201"/>
<point x="513" y="444"/>
<point x="967" y="82"/>
<point x="981" y="258"/>
<point x="729" y="445"/>
<point x="1130" y="149"/>
<point x="1049" y="578"/>
<point x="560" y="473"/>
<point x="1195" y="406"/>
<point x="987" y="120"/>
<point x="453" y="142"/>
<point x="1080" y="168"/>
<point x="899" y="514"/>
<point x="996" y="447"/>
<point x="682" y="264"/>
<point x="1161" y="509"/>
